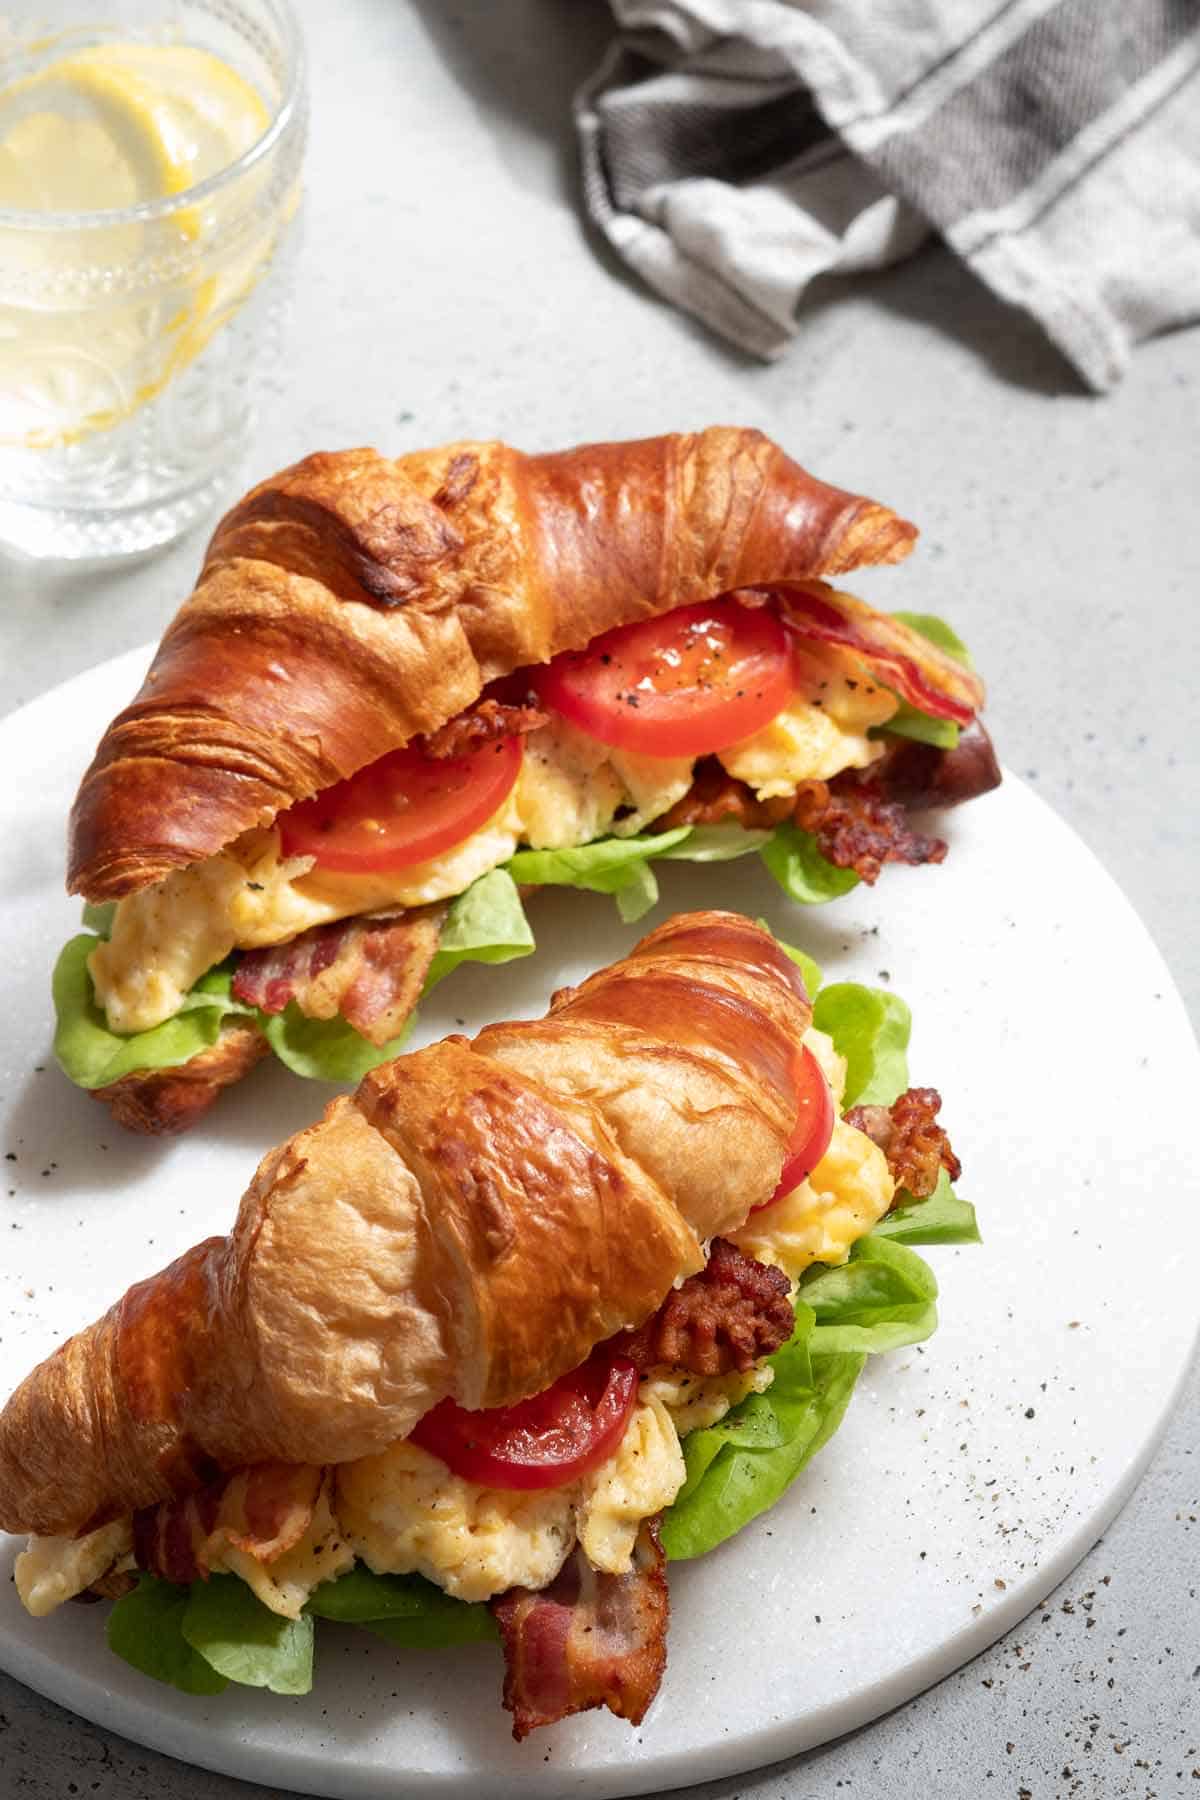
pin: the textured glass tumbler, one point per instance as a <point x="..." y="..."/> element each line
<point x="134" y="342"/>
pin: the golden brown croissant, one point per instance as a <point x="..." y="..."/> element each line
<point x="471" y="1223"/>
<point x="354" y="601"/>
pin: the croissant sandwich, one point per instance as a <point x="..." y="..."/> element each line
<point x="403" y="691"/>
<point x="519" y="1321"/>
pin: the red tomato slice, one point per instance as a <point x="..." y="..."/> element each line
<point x="403" y="809"/>
<point x="691" y="682"/>
<point x="814" y="1128"/>
<point x="543" y="1442"/>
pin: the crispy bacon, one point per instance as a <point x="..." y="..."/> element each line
<point x="903" y="659"/>
<point x="587" y="1640"/>
<point x="371" y="971"/>
<point x="726" y="1317"/>
<point x="914" y="1143"/>
<point x="860" y="817"/>
<point x="484" y="721"/>
<point x="263" y="1510"/>
<point x="718" y="798"/>
<point x="857" y="828"/>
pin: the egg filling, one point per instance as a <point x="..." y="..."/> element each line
<point x="403" y="1511"/>
<point x="571" y="789"/>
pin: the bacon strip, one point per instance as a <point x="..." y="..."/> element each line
<point x="915" y="1145"/>
<point x="857" y="828"/>
<point x="906" y="661"/>
<point x="371" y="971"/>
<point x="587" y="1640"/>
<point x="856" y="825"/>
<point x="263" y="1510"/>
<point x="486" y="720"/>
<point x="726" y="1317"/>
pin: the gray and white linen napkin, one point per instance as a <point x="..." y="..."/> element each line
<point x="733" y="150"/>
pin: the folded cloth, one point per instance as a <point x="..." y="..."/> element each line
<point x="735" y="149"/>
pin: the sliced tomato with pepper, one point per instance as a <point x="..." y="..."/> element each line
<point x="814" y="1127"/>
<point x="544" y="1442"/>
<point x="688" y="683"/>
<point x="403" y="809"/>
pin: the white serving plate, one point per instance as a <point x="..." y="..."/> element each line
<point x="970" y="1474"/>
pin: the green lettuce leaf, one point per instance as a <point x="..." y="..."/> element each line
<point x="244" y="1641"/>
<point x="810" y="970"/>
<point x="870" y="1028"/>
<point x="617" y="866"/>
<point x="941" y="1218"/>
<point x="939" y="633"/>
<point x="882" y="1298"/>
<point x="792" y="857"/>
<point x="145" y="1628"/>
<point x="404" y="1609"/>
<point x="326" y="1049"/>
<point x="486" y="924"/>
<point x="739" y="1467"/>
<point x="92" y="1055"/>
<point x="908" y="721"/>
<point x="716" y="843"/>
<point x="99" y="917"/>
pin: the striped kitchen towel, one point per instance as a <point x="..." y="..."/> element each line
<point x="734" y="149"/>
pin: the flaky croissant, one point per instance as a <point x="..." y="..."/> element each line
<point x="471" y="1223"/>
<point x="354" y="601"/>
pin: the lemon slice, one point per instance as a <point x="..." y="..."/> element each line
<point x="104" y="129"/>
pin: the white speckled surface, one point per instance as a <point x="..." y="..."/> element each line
<point x="446" y="289"/>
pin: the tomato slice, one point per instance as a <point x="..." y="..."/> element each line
<point x="403" y="809"/>
<point x="814" y="1128"/>
<point x="689" y="683"/>
<point x="543" y="1442"/>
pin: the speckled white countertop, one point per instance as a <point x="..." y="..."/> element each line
<point x="446" y="289"/>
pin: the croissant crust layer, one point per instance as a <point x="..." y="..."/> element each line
<point x="470" y="1223"/>
<point x="354" y="601"/>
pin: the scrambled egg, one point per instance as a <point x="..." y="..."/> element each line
<point x="53" y="1569"/>
<point x="643" y="1475"/>
<point x="822" y="730"/>
<point x="164" y="938"/>
<point x="847" y="1193"/>
<point x="285" y="1584"/>
<point x="403" y="1510"/>
<point x="696" y="1401"/>
<point x="571" y="789"/>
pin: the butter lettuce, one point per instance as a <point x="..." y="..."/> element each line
<point x="202" y="1637"/>
<point x="716" y="843"/>
<point x="810" y="970"/>
<point x="617" y="866"/>
<point x="740" y="1467"/>
<point x="145" y="1628"/>
<point x="871" y="1029"/>
<point x="880" y="1299"/>
<point x="486" y="924"/>
<point x="908" y="721"/>
<point x="942" y="1218"/>
<point x="243" y="1640"/>
<point x="793" y="858"/>
<point x="326" y="1049"/>
<point x="405" y="1609"/>
<point x="92" y="1055"/>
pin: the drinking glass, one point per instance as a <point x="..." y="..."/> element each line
<point x="135" y="341"/>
